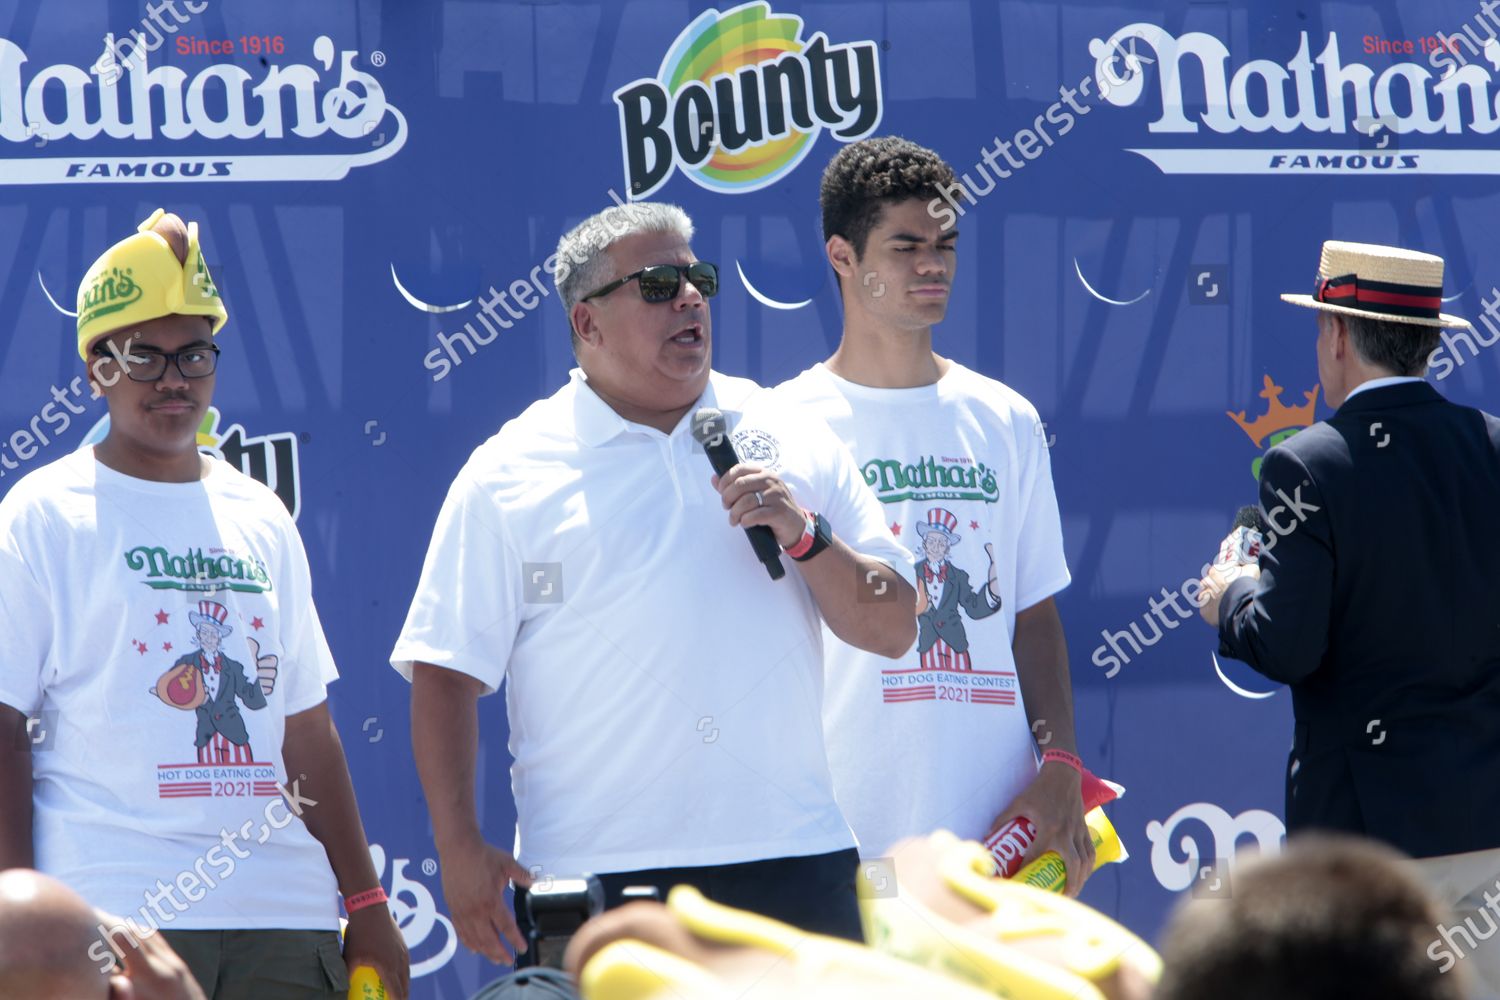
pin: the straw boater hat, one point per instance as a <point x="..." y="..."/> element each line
<point x="1376" y="282"/>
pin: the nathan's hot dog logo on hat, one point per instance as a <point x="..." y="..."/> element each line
<point x="109" y="292"/>
<point x="740" y="99"/>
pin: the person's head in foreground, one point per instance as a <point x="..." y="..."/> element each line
<point x="637" y="304"/>
<point x="51" y="949"/>
<point x="893" y="257"/>
<point x="1379" y="314"/>
<point x="1331" y="918"/>
<point x="148" y="311"/>
<point x="46" y="932"/>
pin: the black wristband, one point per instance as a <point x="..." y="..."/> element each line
<point x="822" y="538"/>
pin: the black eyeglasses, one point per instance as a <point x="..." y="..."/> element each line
<point x="150" y="366"/>
<point x="662" y="282"/>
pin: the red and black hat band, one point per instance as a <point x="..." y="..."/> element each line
<point x="1387" y="297"/>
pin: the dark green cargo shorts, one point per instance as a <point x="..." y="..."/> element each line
<point x="257" y="965"/>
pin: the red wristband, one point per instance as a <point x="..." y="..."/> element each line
<point x="360" y="900"/>
<point x="1063" y="757"/>
<point x="806" y="541"/>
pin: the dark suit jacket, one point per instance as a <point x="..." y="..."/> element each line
<point x="221" y="714"/>
<point x="942" y="621"/>
<point x="1381" y="608"/>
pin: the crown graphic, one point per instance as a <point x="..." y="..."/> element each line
<point x="1278" y="417"/>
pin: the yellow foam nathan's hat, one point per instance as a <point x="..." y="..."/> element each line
<point x="139" y="279"/>
<point x="1023" y="942"/>
<point x="634" y="970"/>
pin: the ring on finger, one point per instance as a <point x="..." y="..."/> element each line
<point x="758" y="501"/>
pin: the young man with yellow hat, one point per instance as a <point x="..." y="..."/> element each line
<point x="165" y="743"/>
<point x="1377" y="600"/>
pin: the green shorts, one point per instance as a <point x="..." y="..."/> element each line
<point x="257" y="965"/>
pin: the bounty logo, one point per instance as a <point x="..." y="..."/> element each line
<point x="142" y="125"/>
<point x="740" y="99"/>
<point x="269" y="459"/>
<point x="1400" y="117"/>
<point x="1278" y="423"/>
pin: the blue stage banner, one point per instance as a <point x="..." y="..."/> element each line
<point x="382" y="185"/>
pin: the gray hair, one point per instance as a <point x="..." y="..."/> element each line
<point x="581" y="264"/>
<point x="1401" y="348"/>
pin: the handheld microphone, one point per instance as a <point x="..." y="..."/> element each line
<point x="1246" y="538"/>
<point x="711" y="430"/>
<point x="1251" y="517"/>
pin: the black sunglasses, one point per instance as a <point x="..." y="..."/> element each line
<point x="662" y="282"/>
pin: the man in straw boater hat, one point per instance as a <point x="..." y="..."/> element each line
<point x="234" y="836"/>
<point x="1376" y="596"/>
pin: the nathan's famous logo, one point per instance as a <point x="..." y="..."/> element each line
<point x="740" y="99"/>
<point x="111" y="291"/>
<point x="931" y="479"/>
<point x="1311" y="95"/>
<point x="198" y="571"/>
<point x="303" y="126"/>
<point x="270" y="459"/>
<point x="1278" y="423"/>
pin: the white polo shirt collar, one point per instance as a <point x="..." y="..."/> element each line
<point x="595" y="422"/>
<point x="585" y="564"/>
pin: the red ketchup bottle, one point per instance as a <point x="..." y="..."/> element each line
<point x="1009" y="844"/>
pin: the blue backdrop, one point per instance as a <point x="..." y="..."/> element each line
<point x="1140" y="183"/>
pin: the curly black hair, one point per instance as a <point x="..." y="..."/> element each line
<point x="866" y="176"/>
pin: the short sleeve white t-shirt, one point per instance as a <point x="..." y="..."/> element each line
<point x="940" y="739"/>
<point x="664" y="694"/>
<point x="139" y="618"/>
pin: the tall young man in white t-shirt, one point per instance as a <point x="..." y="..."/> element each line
<point x="944" y="738"/>
<point x="165" y="743"/>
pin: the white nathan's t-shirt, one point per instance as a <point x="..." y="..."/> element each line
<point x="138" y="617"/>
<point x="664" y="694"/>
<point x="940" y="739"/>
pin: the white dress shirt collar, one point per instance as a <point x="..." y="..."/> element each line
<point x="1381" y="383"/>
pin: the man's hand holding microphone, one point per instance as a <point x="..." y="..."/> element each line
<point x="1239" y="556"/>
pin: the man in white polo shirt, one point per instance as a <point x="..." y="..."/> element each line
<point x="664" y="694"/>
